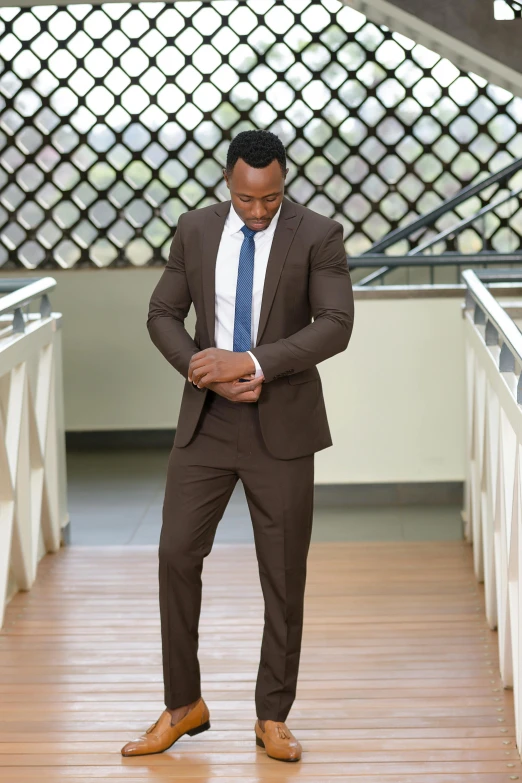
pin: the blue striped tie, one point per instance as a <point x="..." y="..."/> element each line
<point x="245" y="281"/>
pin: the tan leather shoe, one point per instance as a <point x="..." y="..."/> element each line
<point x="162" y="734"/>
<point x="278" y="741"/>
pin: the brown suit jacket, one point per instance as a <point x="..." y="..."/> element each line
<point x="307" y="277"/>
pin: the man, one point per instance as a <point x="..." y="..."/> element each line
<point x="257" y="268"/>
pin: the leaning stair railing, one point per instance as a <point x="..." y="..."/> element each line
<point x="422" y="254"/>
<point x="33" y="507"/>
<point x="493" y="487"/>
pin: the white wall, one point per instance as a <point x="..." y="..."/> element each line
<point x="395" y="398"/>
<point x="114" y="377"/>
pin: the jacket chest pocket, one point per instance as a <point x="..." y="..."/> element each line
<point x="304" y="376"/>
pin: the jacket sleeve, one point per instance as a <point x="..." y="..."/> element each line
<point x="332" y="306"/>
<point x="169" y="306"/>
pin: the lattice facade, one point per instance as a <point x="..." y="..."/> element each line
<point x="507" y="9"/>
<point x="115" y="119"/>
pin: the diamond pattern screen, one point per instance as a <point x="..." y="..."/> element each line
<point x="115" y="119"/>
<point x="507" y="9"/>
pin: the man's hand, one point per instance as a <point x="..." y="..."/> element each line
<point x="239" y="392"/>
<point x="215" y="365"/>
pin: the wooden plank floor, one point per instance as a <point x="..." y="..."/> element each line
<point x="399" y="673"/>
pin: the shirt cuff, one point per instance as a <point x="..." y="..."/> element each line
<point x="259" y="371"/>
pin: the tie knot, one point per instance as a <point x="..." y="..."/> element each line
<point x="248" y="232"/>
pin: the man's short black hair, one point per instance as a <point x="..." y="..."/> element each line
<point x="258" y="148"/>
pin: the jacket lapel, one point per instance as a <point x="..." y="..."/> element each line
<point x="211" y="237"/>
<point x="283" y="236"/>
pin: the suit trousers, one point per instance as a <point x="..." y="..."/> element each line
<point x="227" y="446"/>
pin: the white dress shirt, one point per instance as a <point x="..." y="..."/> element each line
<point x="227" y="264"/>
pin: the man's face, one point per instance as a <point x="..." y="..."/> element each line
<point x="256" y="193"/>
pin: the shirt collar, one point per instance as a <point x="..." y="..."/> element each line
<point x="235" y="224"/>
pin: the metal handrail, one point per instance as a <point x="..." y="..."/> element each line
<point x="431" y="217"/>
<point x="458" y="227"/>
<point x="444" y="259"/>
<point x="20" y="292"/>
<point x="500" y="330"/>
<point x="375" y="256"/>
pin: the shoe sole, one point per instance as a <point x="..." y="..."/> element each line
<point x="191" y="733"/>
<point x="261" y="744"/>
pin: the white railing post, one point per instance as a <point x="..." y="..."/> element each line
<point x="493" y="496"/>
<point x="33" y="494"/>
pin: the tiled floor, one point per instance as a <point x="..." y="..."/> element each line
<point x="117" y="498"/>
